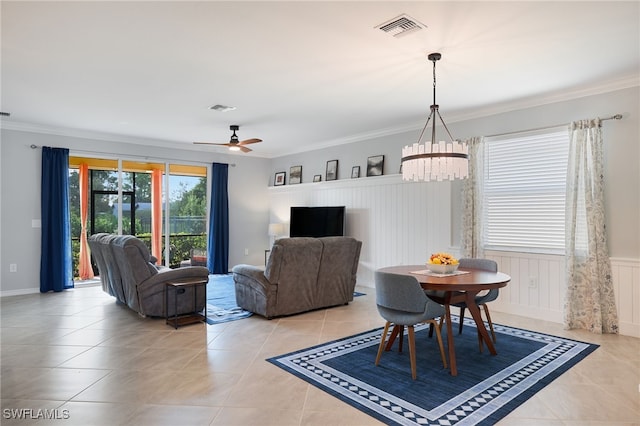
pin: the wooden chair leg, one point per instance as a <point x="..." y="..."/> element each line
<point x="412" y="351"/>
<point x="493" y="333"/>
<point x="440" y="345"/>
<point x="461" y="320"/>
<point x="480" y="345"/>
<point x="383" y="338"/>
<point x="392" y="338"/>
<point x="401" y="333"/>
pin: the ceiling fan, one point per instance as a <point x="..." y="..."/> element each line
<point x="234" y="143"/>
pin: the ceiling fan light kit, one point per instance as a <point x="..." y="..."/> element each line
<point x="234" y="144"/>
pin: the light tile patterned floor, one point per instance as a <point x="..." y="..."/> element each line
<point x="77" y="354"/>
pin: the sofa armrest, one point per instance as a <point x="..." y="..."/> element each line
<point x="253" y="272"/>
<point x="156" y="282"/>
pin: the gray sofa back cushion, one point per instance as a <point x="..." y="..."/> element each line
<point x="338" y="270"/>
<point x="97" y="251"/>
<point x="293" y="265"/>
<point x="133" y="257"/>
<point x="113" y="277"/>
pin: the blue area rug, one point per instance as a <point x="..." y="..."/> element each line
<point x="221" y="300"/>
<point x="485" y="390"/>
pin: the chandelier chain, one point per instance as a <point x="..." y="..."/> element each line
<point x="434" y="82"/>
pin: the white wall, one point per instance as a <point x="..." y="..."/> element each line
<point x="397" y="223"/>
<point x="20" y="193"/>
<point x="401" y="223"/>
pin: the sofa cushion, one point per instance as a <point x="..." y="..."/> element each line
<point x="296" y="261"/>
<point x="338" y="269"/>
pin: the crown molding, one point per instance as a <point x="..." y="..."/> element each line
<point x="626" y="82"/>
<point x="103" y="136"/>
<point x="85" y="134"/>
<point x="632" y="80"/>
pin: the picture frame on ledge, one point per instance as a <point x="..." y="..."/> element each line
<point x="355" y="172"/>
<point x="279" y="178"/>
<point x="317" y="178"/>
<point x="295" y="175"/>
<point x="332" y="170"/>
<point x="375" y="165"/>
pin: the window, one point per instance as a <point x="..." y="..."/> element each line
<point x="524" y="191"/>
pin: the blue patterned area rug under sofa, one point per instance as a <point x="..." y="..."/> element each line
<point x="485" y="390"/>
<point x="221" y="300"/>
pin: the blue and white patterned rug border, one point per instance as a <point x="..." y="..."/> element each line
<point x="486" y="402"/>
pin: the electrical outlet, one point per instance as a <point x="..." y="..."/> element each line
<point x="533" y="282"/>
<point x="246" y="252"/>
<point x="13" y="267"/>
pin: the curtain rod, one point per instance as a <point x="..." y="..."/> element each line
<point x="613" y="117"/>
<point x="145" y="157"/>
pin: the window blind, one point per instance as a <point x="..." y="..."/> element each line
<point x="524" y="191"/>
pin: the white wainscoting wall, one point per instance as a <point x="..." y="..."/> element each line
<point x="538" y="286"/>
<point x="626" y="282"/>
<point x="400" y="223"/>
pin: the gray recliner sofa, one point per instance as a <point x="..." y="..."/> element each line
<point x="127" y="273"/>
<point x="301" y="274"/>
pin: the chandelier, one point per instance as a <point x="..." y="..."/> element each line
<point x="435" y="160"/>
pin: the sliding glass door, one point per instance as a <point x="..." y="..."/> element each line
<point x="120" y="202"/>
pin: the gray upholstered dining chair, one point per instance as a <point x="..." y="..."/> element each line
<point x="481" y="299"/>
<point x="402" y="302"/>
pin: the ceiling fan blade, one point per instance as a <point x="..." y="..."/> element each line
<point x="248" y="141"/>
<point x="211" y="143"/>
<point x="244" y="148"/>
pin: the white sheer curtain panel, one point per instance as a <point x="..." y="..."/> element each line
<point x="589" y="301"/>
<point x="471" y="244"/>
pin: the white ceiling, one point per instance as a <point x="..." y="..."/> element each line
<point x="302" y="75"/>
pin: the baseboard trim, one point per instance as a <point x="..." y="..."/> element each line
<point x="629" y="329"/>
<point x="19" y="292"/>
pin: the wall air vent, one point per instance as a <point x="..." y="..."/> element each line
<point x="401" y="25"/>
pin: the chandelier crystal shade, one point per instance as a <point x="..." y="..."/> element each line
<point x="435" y="160"/>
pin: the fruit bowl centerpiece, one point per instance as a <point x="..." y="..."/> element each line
<point x="442" y="263"/>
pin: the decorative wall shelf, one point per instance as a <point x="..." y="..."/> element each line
<point x="343" y="183"/>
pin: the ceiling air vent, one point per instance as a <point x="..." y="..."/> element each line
<point x="401" y="25"/>
<point x="222" y="108"/>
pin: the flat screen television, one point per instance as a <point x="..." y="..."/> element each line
<point x="316" y="222"/>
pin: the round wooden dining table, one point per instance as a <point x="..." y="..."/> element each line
<point x="451" y="289"/>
